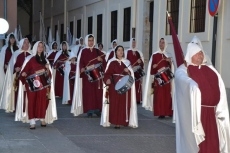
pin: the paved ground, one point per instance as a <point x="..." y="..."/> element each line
<point x="84" y="135"/>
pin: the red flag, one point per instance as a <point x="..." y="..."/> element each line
<point x="176" y="44"/>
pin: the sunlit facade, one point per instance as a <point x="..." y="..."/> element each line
<point x="146" y="19"/>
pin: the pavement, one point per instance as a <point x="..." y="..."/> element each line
<point x="81" y="134"/>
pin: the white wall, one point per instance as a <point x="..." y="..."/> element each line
<point x="82" y="9"/>
<point x="223" y="42"/>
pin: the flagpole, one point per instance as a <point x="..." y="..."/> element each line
<point x="168" y="13"/>
<point x="176" y="43"/>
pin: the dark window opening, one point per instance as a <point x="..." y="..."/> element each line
<point x="197" y="16"/>
<point x="127" y="24"/>
<point x="71" y="27"/>
<point x="113" y="25"/>
<point x="99" y="28"/>
<point x="173" y="9"/>
<point x="90" y="25"/>
<point x="78" y="28"/>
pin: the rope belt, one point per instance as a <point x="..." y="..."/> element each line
<point x="119" y="74"/>
<point x="208" y="106"/>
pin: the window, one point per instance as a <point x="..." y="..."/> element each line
<point x="113" y="25"/>
<point x="90" y="25"/>
<point x="126" y="24"/>
<point x="99" y="28"/>
<point x="197" y="16"/>
<point x="62" y="32"/>
<point x="78" y="28"/>
<point x="55" y="32"/>
<point x="173" y="9"/>
<point x="71" y="27"/>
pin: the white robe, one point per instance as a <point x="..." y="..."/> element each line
<point x="133" y="119"/>
<point x="2" y="73"/>
<point x="66" y="88"/>
<point x="51" y="112"/>
<point x="189" y="129"/>
<point x="75" y="49"/>
<point x="7" y="99"/>
<point x="77" y="103"/>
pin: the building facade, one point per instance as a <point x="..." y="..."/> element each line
<point x="144" y="19"/>
<point x="8" y="11"/>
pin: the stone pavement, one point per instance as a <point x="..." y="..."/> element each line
<point x="81" y="134"/>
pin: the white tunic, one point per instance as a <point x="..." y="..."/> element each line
<point x="189" y="129"/>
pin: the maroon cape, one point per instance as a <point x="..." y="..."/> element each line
<point x="133" y="57"/>
<point x="207" y="81"/>
<point x="59" y="80"/>
<point x="51" y="57"/>
<point x="111" y="55"/>
<point x="91" y="91"/>
<point x="117" y="102"/>
<point x="8" y="55"/>
<point x="162" y="97"/>
<point x="37" y="100"/>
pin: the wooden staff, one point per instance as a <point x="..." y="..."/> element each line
<point x="94" y="59"/>
<point x="135" y="62"/>
<point x="163" y="59"/>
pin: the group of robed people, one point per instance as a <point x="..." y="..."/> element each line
<point x="111" y="85"/>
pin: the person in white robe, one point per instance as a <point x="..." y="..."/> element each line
<point x="133" y="118"/>
<point x="135" y="62"/>
<point x="148" y="93"/>
<point x="110" y="52"/>
<point x="77" y="100"/>
<point x="7" y="100"/>
<point x="59" y="61"/>
<point x="100" y="47"/>
<point x="22" y="103"/>
<point x="190" y="132"/>
<point x="81" y="43"/>
<point x="66" y="89"/>
<point x="9" y="39"/>
<point x="76" y="48"/>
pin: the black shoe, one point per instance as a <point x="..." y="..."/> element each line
<point x="117" y="127"/>
<point x="161" y="117"/>
<point x="32" y="128"/>
<point x="97" y="112"/>
<point x="90" y="113"/>
<point x="43" y="125"/>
